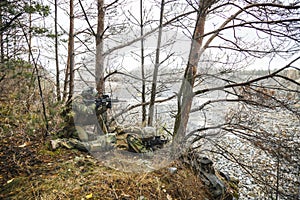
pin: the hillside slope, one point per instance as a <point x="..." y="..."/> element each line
<point x="29" y="170"/>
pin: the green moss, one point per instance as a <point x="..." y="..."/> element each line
<point x="47" y="152"/>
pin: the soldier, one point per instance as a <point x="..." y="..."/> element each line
<point x="87" y="111"/>
<point x="122" y="141"/>
<point x="81" y="114"/>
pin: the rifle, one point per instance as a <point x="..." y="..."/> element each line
<point x="105" y="101"/>
<point x="154" y="142"/>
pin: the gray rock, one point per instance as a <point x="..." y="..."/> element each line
<point x="172" y="170"/>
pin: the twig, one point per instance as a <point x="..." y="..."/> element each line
<point x="39" y="83"/>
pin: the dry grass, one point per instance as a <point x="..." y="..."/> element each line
<point x="81" y="176"/>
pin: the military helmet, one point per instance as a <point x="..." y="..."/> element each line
<point x="89" y="92"/>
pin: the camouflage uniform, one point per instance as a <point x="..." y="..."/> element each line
<point x="127" y="141"/>
<point x="79" y="115"/>
<point x="130" y="142"/>
<point x="85" y="113"/>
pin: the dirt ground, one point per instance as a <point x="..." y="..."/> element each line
<point x="29" y="170"/>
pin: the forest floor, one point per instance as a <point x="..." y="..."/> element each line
<point x="29" y="170"/>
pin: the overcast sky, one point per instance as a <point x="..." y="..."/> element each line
<point x="181" y="47"/>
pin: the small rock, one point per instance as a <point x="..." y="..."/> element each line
<point x="172" y="170"/>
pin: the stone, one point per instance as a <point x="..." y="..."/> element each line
<point x="172" y="170"/>
<point x="54" y="144"/>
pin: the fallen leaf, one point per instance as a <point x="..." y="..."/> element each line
<point x="9" y="181"/>
<point x="89" y="196"/>
<point x="169" y="197"/>
<point x="24" y="145"/>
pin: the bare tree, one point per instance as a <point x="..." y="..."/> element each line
<point x="56" y="51"/>
<point x="99" y="69"/>
<point x="71" y="62"/>
<point x="144" y="114"/>
<point x="156" y="66"/>
<point x="185" y="95"/>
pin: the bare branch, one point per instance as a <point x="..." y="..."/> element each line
<point x="223" y="26"/>
<point x="138" y="105"/>
<point x="146" y="34"/>
<point x="86" y="19"/>
<point x="247" y="82"/>
<point x="7" y="25"/>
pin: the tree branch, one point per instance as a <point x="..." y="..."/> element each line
<point x="223" y="26"/>
<point x="247" y="82"/>
<point x="86" y="19"/>
<point x="138" y="105"/>
<point x="146" y="34"/>
<point x="7" y="25"/>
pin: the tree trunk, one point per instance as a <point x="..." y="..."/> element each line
<point x="99" y="68"/>
<point x="185" y="96"/>
<point x="71" y="52"/>
<point x="66" y="80"/>
<point x="144" y="112"/>
<point x="156" y="66"/>
<point x="56" y="53"/>
<point x="29" y="34"/>
<point x="1" y="38"/>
